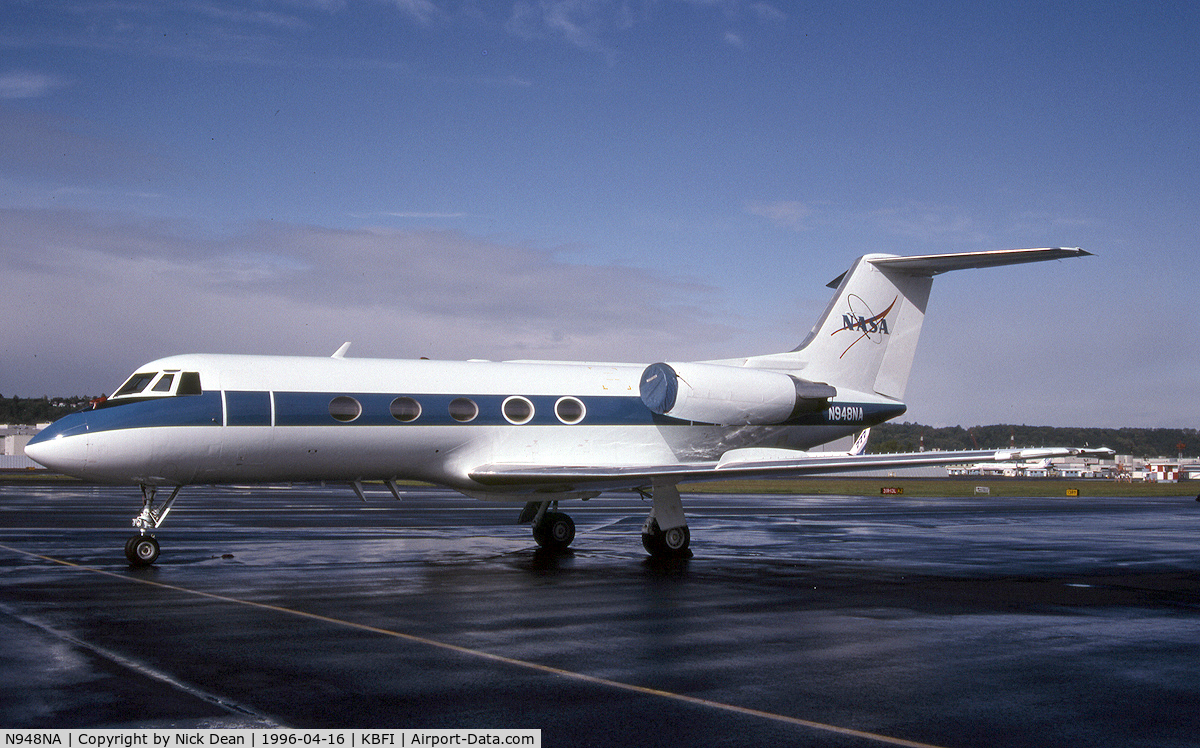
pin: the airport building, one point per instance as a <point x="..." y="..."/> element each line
<point x="1059" y="467"/>
<point x="1122" y="467"/>
<point x="13" y="439"/>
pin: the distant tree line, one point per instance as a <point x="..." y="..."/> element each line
<point x="29" y="410"/>
<point x="907" y="437"/>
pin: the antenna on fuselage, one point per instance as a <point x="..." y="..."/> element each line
<point x="341" y="352"/>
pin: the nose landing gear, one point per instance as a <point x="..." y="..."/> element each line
<point x="142" y="549"/>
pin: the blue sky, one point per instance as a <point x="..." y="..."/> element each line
<point x="659" y="180"/>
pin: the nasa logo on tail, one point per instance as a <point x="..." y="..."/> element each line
<point x="862" y="320"/>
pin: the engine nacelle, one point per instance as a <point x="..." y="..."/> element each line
<point x="730" y="395"/>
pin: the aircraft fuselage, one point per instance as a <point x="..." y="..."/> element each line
<point x="264" y="418"/>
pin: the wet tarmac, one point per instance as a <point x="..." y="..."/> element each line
<point x="823" y="621"/>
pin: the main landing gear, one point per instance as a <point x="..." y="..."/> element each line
<point x="665" y="533"/>
<point x="552" y="529"/>
<point x="661" y="543"/>
<point x="142" y="549"/>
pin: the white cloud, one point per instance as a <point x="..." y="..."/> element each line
<point x="421" y="215"/>
<point x="19" y="84"/>
<point x="93" y="297"/>
<point x="237" y="16"/>
<point x="790" y="214"/>
<point x="419" y="10"/>
<point x="592" y="24"/>
<point x="916" y="223"/>
<point x="88" y="297"/>
<point x="586" y="24"/>
<point x="768" y="13"/>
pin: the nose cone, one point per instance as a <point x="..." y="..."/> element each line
<point x="61" y="446"/>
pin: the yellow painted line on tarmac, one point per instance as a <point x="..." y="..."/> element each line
<point x="525" y="664"/>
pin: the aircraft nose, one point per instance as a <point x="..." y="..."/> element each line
<point x="61" y="446"/>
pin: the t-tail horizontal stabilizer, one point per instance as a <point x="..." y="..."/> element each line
<point x="867" y="338"/>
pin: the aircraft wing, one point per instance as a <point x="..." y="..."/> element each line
<point x="750" y="463"/>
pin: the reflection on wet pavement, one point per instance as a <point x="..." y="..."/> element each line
<point x="951" y="622"/>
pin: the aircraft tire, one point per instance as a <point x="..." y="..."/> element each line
<point x="142" y="550"/>
<point x="555" y="531"/>
<point x="672" y="543"/>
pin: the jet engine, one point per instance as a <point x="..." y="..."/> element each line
<point x="730" y="395"/>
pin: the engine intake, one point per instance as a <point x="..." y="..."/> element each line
<point x="730" y="395"/>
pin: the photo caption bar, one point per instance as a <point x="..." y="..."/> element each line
<point x="250" y="738"/>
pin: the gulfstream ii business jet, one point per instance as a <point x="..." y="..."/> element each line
<point x="532" y="432"/>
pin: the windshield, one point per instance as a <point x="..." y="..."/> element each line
<point x="136" y="384"/>
<point x="164" y="384"/>
<point x="159" y="384"/>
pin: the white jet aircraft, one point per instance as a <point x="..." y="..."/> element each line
<point x="533" y="432"/>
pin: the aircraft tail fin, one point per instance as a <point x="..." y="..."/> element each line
<point x="866" y="339"/>
<point x="860" y="442"/>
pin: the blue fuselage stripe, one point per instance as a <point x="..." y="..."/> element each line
<point x="312" y="409"/>
<point x="247" y="408"/>
<point x="255" y="408"/>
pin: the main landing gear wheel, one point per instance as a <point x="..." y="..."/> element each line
<point x="671" y="543"/>
<point x="141" y="550"/>
<point x="555" y="532"/>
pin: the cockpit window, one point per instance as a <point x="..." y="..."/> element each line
<point x="164" y="384"/>
<point x="146" y="384"/>
<point x="189" y="384"/>
<point x="136" y="384"/>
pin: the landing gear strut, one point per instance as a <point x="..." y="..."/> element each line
<point x="142" y="549"/>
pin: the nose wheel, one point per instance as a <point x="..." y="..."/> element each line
<point x="142" y="550"/>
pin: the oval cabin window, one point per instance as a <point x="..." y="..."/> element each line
<point x="405" y="409"/>
<point x="344" y="409"/>
<point x="517" y="410"/>
<point x="463" y="410"/>
<point x="569" y="410"/>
